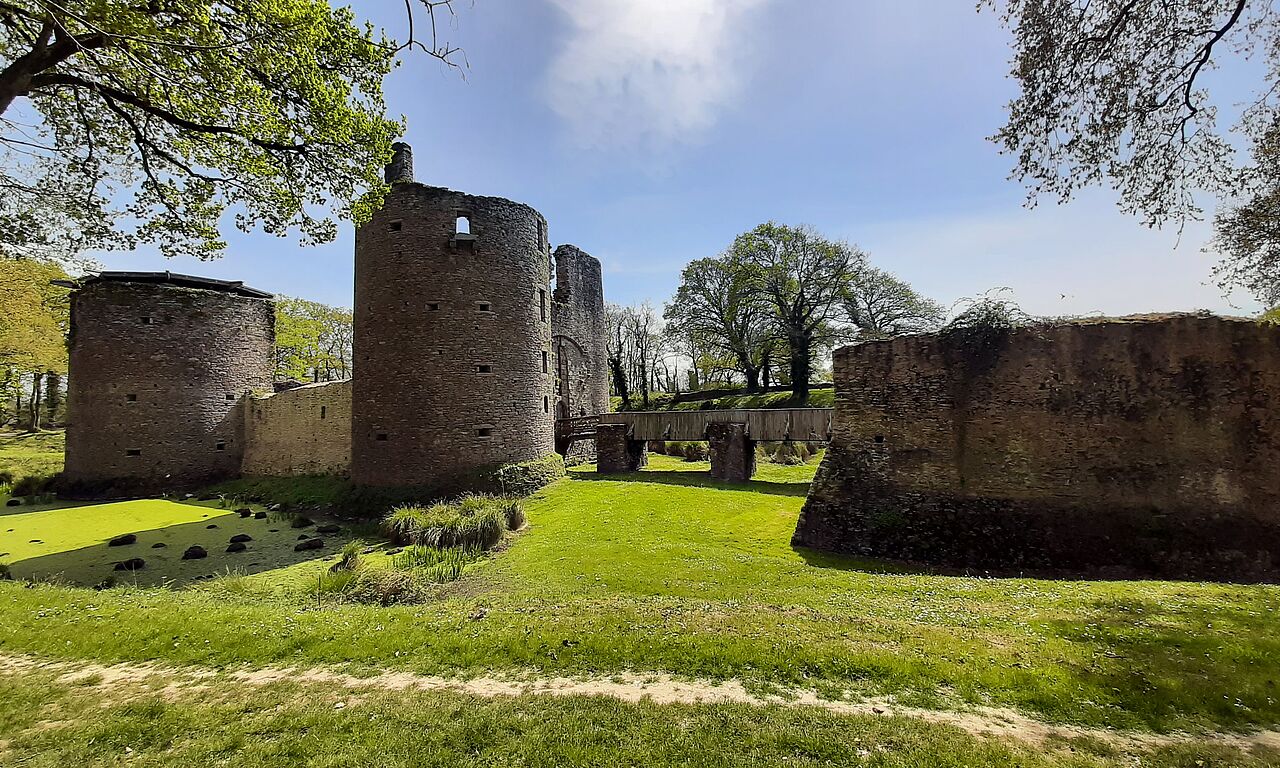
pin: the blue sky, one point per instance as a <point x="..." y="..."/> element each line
<point x="651" y="132"/>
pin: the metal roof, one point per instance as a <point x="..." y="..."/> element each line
<point x="170" y="278"/>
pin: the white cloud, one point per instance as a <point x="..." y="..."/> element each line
<point x="647" y="74"/>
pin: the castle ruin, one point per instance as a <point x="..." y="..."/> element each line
<point x="455" y="367"/>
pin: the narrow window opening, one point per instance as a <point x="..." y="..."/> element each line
<point x="485" y="432"/>
<point x="382" y="437"/>
<point x="323" y="411"/>
<point x="133" y="452"/>
<point x="433" y="306"/>
<point x="131" y="398"/>
<point x="546" y="404"/>
<point x="484" y="368"/>
<point x="544" y="361"/>
<point x="146" y="320"/>
<point x="230" y="396"/>
<point x="220" y="447"/>
<point x="542" y="303"/>
<point x="462" y="226"/>
<point x="396" y="226"/>
<point x="485" y="306"/>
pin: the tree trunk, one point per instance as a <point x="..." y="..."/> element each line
<point x="34" y="403"/>
<point x="764" y="370"/>
<point x="753" y="377"/>
<point x="620" y="382"/>
<point x="53" y="394"/>
<point x="800" y="369"/>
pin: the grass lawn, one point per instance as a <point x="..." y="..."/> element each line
<point x="668" y="571"/>
<point x="32" y="453"/>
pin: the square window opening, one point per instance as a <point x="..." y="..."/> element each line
<point x="382" y="437"/>
<point x="484" y="368"/>
<point x="146" y="320"/>
<point x="220" y="447"/>
<point x="396" y="226"/>
<point x="485" y="431"/>
<point x="131" y="398"/>
<point x="462" y="225"/>
<point x="433" y="306"/>
<point x="133" y="452"/>
<point x="484" y="306"/>
<point x="230" y="396"/>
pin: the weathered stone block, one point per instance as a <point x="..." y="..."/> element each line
<point x="616" y="453"/>
<point x="733" y="454"/>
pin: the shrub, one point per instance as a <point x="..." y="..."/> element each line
<point x="383" y="587"/>
<point x="696" y="451"/>
<point x="34" y="485"/>
<point x="657" y="446"/>
<point x="350" y="558"/>
<point x="475" y="521"/>
<point x="528" y="477"/>
<point x="436" y="566"/>
<point x="5" y="573"/>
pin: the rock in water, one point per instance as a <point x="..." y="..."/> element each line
<point x="309" y="544"/>
<point x="260" y="515"/>
<point x="195" y="553"/>
<point x="241" y="538"/>
<point x="301" y="521"/>
<point x="238" y="546"/>
<point x="159" y="545"/>
<point x="329" y="528"/>
<point x="244" y="512"/>
<point x="13" y="503"/>
<point x="123" y="541"/>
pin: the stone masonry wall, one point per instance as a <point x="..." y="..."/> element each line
<point x="301" y="431"/>
<point x="157" y="381"/>
<point x="579" y="343"/>
<point x="1138" y="446"/>
<point x="452" y="338"/>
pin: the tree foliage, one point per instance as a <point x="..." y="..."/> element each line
<point x="880" y="305"/>
<point x="1115" y="91"/>
<point x="33" y="331"/>
<point x="313" y="340"/>
<point x="803" y="277"/>
<point x="124" y="122"/>
<point x="716" y="307"/>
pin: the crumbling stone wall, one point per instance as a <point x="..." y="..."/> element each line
<point x="300" y="431"/>
<point x="452" y="338"/>
<point x="579" y="343"/>
<point x="1138" y="446"/>
<point x="158" y="376"/>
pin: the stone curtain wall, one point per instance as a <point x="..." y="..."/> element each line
<point x="301" y="431"/>
<point x="452" y="338"/>
<point x="579" y="343"/>
<point x="158" y="376"/>
<point x="1140" y="446"/>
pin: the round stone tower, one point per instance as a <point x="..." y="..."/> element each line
<point x="159" y="368"/>
<point x="452" y="336"/>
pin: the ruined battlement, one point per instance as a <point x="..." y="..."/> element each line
<point x="1144" y="445"/>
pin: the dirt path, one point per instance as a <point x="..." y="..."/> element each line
<point x="659" y="689"/>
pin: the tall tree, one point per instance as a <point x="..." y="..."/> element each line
<point x="880" y="305"/>
<point x="617" y="321"/>
<point x="804" y="277"/>
<point x="153" y="118"/>
<point x="715" y="302"/>
<point x="1116" y="91"/>
<point x="313" y="340"/>
<point x="33" y="328"/>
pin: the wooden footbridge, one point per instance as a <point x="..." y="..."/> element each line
<point x="620" y="437"/>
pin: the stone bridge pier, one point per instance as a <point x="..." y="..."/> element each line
<point x="617" y="451"/>
<point x="733" y="453"/>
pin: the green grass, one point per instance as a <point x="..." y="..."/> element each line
<point x="32" y="453"/>
<point x="670" y="571"/>
<point x="47" y="723"/>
